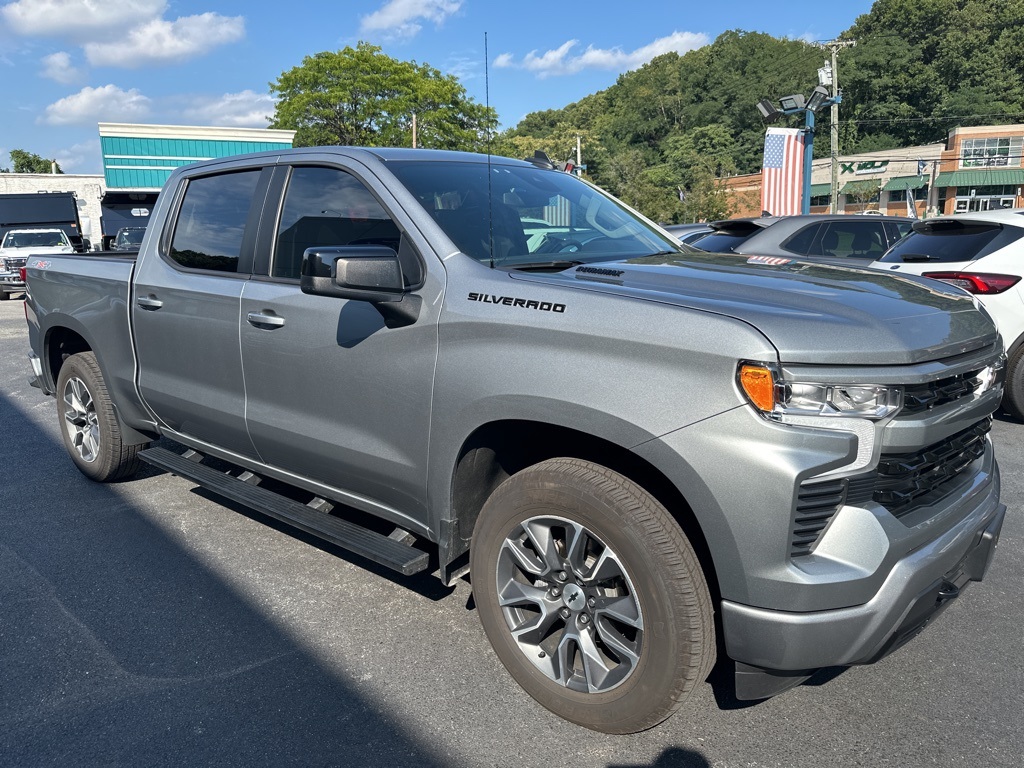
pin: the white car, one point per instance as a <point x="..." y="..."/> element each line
<point x="982" y="253"/>
<point x="17" y="245"/>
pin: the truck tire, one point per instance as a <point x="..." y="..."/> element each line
<point x="1013" y="395"/>
<point x="592" y="596"/>
<point x="88" y="424"/>
<point x="4" y="296"/>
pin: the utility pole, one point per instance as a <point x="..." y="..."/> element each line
<point x="414" y="130"/>
<point x="835" y="46"/>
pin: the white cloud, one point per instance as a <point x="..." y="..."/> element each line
<point x="247" y="109"/>
<point x="400" y="18"/>
<point x="558" y="61"/>
<point x="91" y="105"/>
<point x="79" y="19"/>
<point x="57" y="66"/>
<point x="163" y="42"/>
<point x="80" y="158"/>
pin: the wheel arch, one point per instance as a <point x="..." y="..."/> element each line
<point x="59" y="343"/>
<point x="63" y="337"/>
<point x="499" y="449"/>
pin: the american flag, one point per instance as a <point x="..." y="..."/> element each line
<point x="783" y="178"/>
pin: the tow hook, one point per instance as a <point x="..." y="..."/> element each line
<point x="948" y="591"/>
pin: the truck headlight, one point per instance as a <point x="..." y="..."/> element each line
<point x="776" y="398"/>
<point x="861" y="410"/>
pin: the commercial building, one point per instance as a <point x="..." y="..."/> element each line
<point x="977" y="168"/>
<point x="137" y="159"/>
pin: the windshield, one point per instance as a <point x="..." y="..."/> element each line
<point x="534" y="216"/>
<point x="36" y="239"/>
<point x="952" y="241"/>
<point x="130" y="236"/>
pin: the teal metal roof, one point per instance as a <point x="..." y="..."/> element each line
<point x="145" y="163"/>
<point x="980" y="178"/>
<point x="905" y="182"/>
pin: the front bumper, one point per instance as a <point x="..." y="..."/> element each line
<point x="11" y="282"/>
<point x="916" y="590"/>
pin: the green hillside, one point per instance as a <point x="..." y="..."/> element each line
<point x="919" y="68"/>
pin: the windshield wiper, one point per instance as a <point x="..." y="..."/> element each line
<point x="537" y="265"/>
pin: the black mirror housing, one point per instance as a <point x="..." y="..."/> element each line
<point x="360" y="272"/>
<point x="370" y="273"/>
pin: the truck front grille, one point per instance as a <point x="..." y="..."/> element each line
<point x="903" y="480"/>
<point x="902" y="483"/>
<point x="922" y="397"/>
<point x="12" y="263"/>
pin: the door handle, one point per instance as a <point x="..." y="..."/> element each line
<point x="261" y="320"/>
<point x="150" y="302"/>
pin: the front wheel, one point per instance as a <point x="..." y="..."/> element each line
<point x="88" y="424"/>
<point x="592" y="596"/>
<point x="1013" y="396"/>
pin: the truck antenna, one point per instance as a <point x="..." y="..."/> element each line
<point x="487" y="117"/>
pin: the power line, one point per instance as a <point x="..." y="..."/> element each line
<point x="936" y="119"/>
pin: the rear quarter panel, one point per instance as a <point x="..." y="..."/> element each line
<point x="88" y="296"/>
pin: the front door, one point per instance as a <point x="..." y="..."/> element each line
<point x="333" y="394"/>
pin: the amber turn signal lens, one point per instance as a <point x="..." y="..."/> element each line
<point x="759" y="386"/>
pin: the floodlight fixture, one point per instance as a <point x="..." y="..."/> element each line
<point x="792" y="103"/>
<point x="768" y="111"/>
<point x="819" y="96"/>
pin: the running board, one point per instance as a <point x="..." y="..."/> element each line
<point x="349" y="536"/>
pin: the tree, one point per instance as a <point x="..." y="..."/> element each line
<point x="28" y="162"/>
<point x="362" y="97"/>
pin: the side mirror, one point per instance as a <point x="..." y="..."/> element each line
<point x="371" y="273"/>
<point x="359" y="272"/>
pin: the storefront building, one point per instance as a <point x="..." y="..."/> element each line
<point x="137" y="159"/>
<point x="977" y="169"/>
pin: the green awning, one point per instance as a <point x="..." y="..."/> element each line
<point x="900" y="183"/>
<point x="821" y="190"/>
<point x="861" y="187"/>
<point x="981" y="178"/>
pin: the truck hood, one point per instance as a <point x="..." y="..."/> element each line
<point x="812" y="313"/>
<point x="36" y="250"/>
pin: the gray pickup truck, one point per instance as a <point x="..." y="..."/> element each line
<point x="646" y="457"/>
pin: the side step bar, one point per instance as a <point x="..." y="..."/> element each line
<point x="369" y="544"/>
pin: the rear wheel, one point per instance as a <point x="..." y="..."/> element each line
<point x="592" y="596"/>
<point x="88" y="424"/>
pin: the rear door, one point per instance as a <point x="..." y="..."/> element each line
<point x="333" y="394"/>
<point x="185" y="308"/>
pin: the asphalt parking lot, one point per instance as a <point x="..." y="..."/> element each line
<point x="143" y="623"/>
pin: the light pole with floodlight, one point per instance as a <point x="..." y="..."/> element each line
<point x="791" y="105"/>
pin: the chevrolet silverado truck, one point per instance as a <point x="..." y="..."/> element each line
<point x="646" y="457"/>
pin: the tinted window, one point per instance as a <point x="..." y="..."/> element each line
<point x="951" y="241"/>
<point x="856" y="239"/>
<point x="211" y="223"/>
<point x="803" y="241"/>
<point x="328" y="207"/>
<point x="724" y="241"/>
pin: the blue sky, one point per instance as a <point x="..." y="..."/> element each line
<point x="66" y="65"/>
